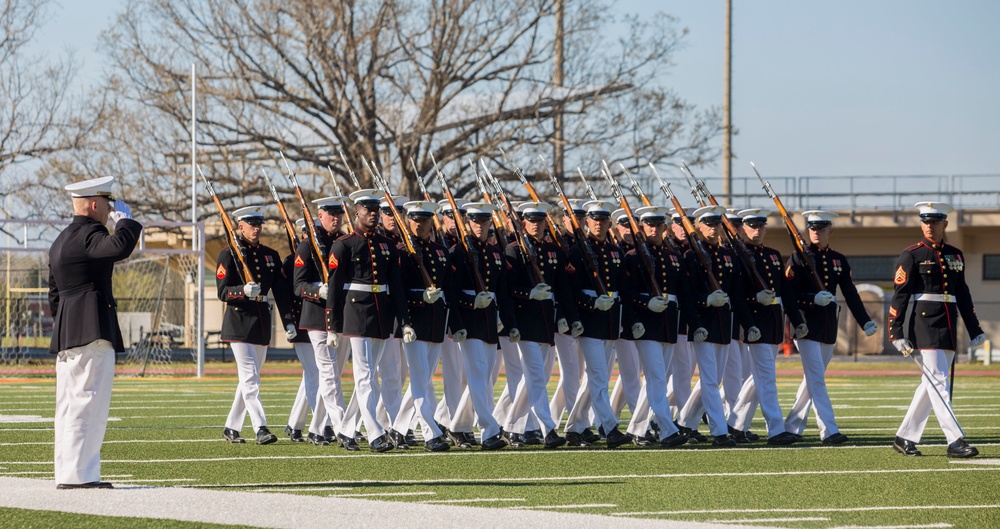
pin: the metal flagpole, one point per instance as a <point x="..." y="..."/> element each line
<point x="197" y="238"/>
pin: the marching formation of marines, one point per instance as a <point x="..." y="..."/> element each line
<point x="401" y="285"/>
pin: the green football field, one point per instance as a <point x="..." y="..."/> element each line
<point x="166" y="432"/>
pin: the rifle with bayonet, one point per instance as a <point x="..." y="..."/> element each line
<point x="438" y="228"/>
<point x="404" y="229"/>
<point x="528" y="251"/>
<point x="500" y="219"/>
<point x="464" y="236"/>
<point x="234" y="243"/>
<point x="694" y="237"/>
<point x="293" y="240"/>
<point x="554" y="230"/>
<point x="310" y="223"/>
<point x="646" y="202"/>
<point x="589" y="257"/>
<point x="798" y="243"/>
<point x="641" y="246"/>
<point x="354" y="179"/>
<point x="735" y="240"/>
<point x="337" y="190"/>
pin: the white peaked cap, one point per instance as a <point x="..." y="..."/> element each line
<point x="460" y="202"/>
<point x="327" y="202"/>
<point x="421" y="206"/>
<point x="816" y="215"/>
<point x="527" y="208"/>
<point x="399" y="200"/>
<point x="249" y="212"/>
<point x="934" y="209"/>
<point x="597" y="206"/>
<point x="618" y="214"/>
<point x="754" y="213"/>
<point x="709" y="211"/>
<point x="473" y="208"/>
<point x="652" y="212"/>
<point x="95" y="187"/>
<point x="366" y="195"/>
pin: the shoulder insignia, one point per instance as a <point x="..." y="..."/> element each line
<point x="570" y="268"/>
<point x="299" y="262"/>
<point x="332" y="262"/>
<point x="893" y="312"/>
<point x="220" y="272"/>
<point x="900" y="277"/>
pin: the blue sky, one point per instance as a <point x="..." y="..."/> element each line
<point x="850" y="88"/>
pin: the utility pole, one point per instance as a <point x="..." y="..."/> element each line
<point x="727" y="123"/>
<point x="557" y="82"/>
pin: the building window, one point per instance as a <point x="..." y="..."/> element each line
<point x="991" y="266"/>
<point x="873" y="268"/>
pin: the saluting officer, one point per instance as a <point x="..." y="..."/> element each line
<point x="767" y="307"/>
<point x="658" y="315"/>
<point x="364" y="298"/>
<point x="602" y="316"/>
<point x="820" y="310"/>
<point x="430" y="316"/>
<point x="544" y="309"/>
<point x="486" y="306"/>
<point x="246" y="323"/>
<point x="930" y="293"/>
<point x="305" y="397"/>
<point x="715" y="316"/>
<point x="329" y="361"/>
<point x="85" y="333"/>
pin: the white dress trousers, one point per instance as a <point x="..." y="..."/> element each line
<point x="736" y="372"/>
<point x="597" y="355"/>
<point x="654" y="357"/>
<point x="249" y="357"/>
<point x="83" y="397"/>
<point x="812" y="391"/>
<point x="305" y="397"/>
<point x="479" y="358"/>
<point x="629" y="381"/>
<point x="937" y="362"/>
<point x="329" y="392"/>
<point x="421" y="357"/>
<point x="366" y="353"/>
<point x="570" y="371"/>
<point x="711" y="363"/>
<point x="513" y="373"/>
<point x="454" y="382"/>
<point x="680" y="371"/>
<point x="531" y="398"/>
<point x="761" y="388"/>
<point x="392" y="372"/>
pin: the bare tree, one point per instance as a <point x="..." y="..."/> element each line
<point x="385" y="81"/>
<point x="38" y="114"/>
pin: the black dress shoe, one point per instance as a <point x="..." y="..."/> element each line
<point x="642" y="441"/>
<point x="470" y="438"/>
<point x="554" y="440"/>
<point x="798" y="438"/>
<point x="232" y="436"/>
<point x="516" y="440"/>
<point x="294" y="436"/>
<point x="533" y="437"/>
<point x="907" y="448"/>
<point x="317" y="439"/>
<point x="348" y="443"/>
<point x="265" y="437"/>
<point x="89" y="485"/>
<point x="781" y="439"/>
<point x="410" y="438"/>
<point x="676" y="439"/>
<point x="446" y="433"/>
<point x="494" y="443"/>
<point x="329" y="434"/>
<point x="739" y="436"/>
<point x="459" y="440"/>
<point x="601" y="432"/>
<point x="575" y="439"/>
<point x="961" y="449"/>
<point x="380" y="444"/>
<point x="588" y="435"/>
<point x="616" y="438"/>
<point x="752" y="437"/>
<point x="437" y="444"/>
<point x="723" y="441"/>
<point x="835" y="439"/>
<point x="398" y="440"/>
<point x="655" y="428"/>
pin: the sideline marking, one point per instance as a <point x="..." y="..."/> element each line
<point x="474" y="500"/>
<point x="374" y="494"/>
<point x="816" y="509"/>
<point x="579" y="506"/>
<point x="928" y="526"/>
<point x="759" y="520"/>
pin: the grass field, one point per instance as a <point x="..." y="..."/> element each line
<point x="167" y="433"/>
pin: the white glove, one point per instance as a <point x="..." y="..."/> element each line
<point x="459" y="335"/>
<point x="801" y="330"/>
<point x="562" y="326"/>
<point x="753" y="334"/>
<point x="514" y="335"/>
<point x="576" y="329"/>
<point x="324" y="290"/>
<point x="700" y="334"/>
<point x="114" y="217"/>
<point x="657" y="304"/>
<point x="904" y="346"/>
<point x="766" y="297"/>
<point x="540" y="292"/>
<point x="251" y="290"/>
<point x="483" y="300"/>
<point x="431" y="295"/>
<point x="978" y="340"/>
<point x="122" y="209"/>
<point x="604" y="302"/>
<point x="638" y="329"/>
<point x="823" y="298"/>
<point x="409" y="335"/>
<point x="717" y="299"/>
<point x="870" y="328"/>
<point x="332" y="339"/>
<point x="290" y="332"/>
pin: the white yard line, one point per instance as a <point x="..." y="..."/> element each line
<point x="378" y="494"/>
<point x="474" y="500"/>
<point x="578" y="506"/>
<point x="927" y="526"/>
<point x="819" y="509"/>
<point x="291" y="511"/>
<point x="769" y="520"/>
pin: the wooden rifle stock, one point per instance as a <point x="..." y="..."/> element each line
<point x="293" y="240"/>
<point x="438" y="227"/>
<point x="466" y="238"/>
<point x="528" y="251"/>
<point x="234" y="244"/>
<point x="553" y="230"/>
<point x="310" y="223"/>
<point x="340" y="193"/>
<point x="641" y="245"/>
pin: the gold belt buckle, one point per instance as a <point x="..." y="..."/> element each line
<point x="376" y="288"/>
<point x="612" y="294"/>
<point x="947" y="298"/>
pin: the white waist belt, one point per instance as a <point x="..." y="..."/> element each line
<point x="473" y="293"/>
<point x="594" y="293"/>
<point x="362" y="287"/>
<point x="943" y="298"/>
